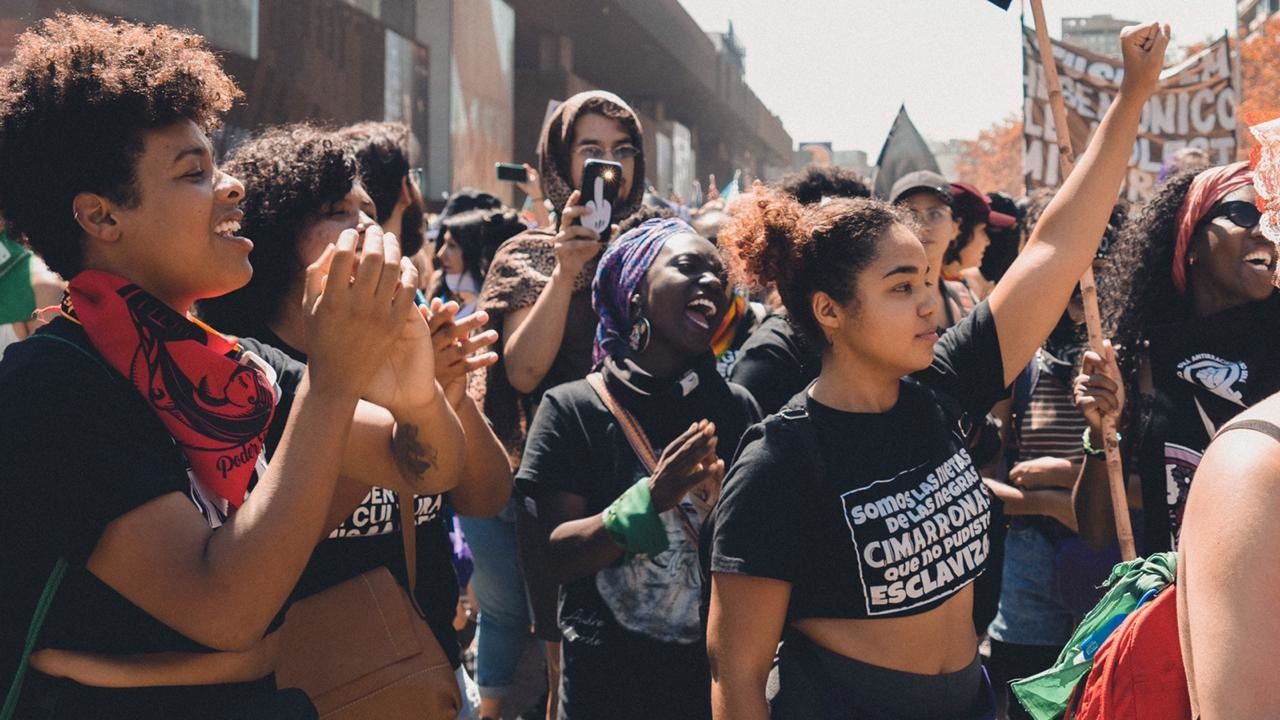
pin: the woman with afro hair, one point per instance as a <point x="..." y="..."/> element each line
<point x="303" y="191"/>
<point x="1189" y="294"/>
<point x="142" y="576"/>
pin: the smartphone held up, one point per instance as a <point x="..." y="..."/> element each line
<point x="601" y="181"/>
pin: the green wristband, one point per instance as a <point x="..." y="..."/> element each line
<point x="633" y="522"/>
<point x="1088" y="446"/>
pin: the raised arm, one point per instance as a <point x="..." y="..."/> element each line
<point x="1029" y="300"/>
<point x="485" y="485"/>
<point x="532" y="335"/>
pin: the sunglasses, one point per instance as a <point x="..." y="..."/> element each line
<point x="1241" y="214"/>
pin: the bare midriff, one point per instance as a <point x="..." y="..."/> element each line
<point x="936" y="642"/>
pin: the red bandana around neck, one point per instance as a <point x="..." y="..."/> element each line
<point x="217" y="409"/>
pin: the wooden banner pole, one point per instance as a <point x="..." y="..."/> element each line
<point x="1088" y="289"/>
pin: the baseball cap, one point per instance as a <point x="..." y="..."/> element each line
<point x="919" y="180"/>
<point x="969" y="202"/>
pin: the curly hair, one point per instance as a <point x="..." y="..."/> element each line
<point x="290" y="173"/>
<point x="769" y="237"/>
<point x="644" y="214"/>
<point x="1135" y="287"/>
<point x="382" y="149"/>
<point x="75" y="101"/>
<point x="813" y="183"/>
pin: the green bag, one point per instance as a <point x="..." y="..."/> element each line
<point x="17" y="299"/>
<point x="1045" y="696"/>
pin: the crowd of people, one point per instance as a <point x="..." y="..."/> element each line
<point x="801" y="453"/>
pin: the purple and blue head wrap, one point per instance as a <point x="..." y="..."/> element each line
<point x="622" y="269"/>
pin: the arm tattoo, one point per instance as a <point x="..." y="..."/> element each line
<point x="412" y="456"/>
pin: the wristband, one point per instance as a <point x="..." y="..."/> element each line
<point x="1088" y="446"/>
<point x="633" y="522"/>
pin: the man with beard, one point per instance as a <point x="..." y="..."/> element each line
<point x="383" y="150"/>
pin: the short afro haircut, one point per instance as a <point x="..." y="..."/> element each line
<point x="290" y="173"/>
<point x="383" y="151"/>
<point x="75" y="101"/>
<point x="815" y="182"/>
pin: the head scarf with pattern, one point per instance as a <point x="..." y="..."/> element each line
<point x="622" y="270"/>
<point x="556" y="144"/>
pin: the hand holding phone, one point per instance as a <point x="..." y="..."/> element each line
<point x="511" y="172"/>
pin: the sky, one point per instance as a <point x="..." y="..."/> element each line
<point x="837" y="70"/>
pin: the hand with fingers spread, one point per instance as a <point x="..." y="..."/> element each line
<point x="357" y="307"/>
<point x="689" y="461"/>
<point x="575" y="245"/>
<point x="458" y="348"/>
<point x="1099" y="390"/>
<point x="1143" y="48"/>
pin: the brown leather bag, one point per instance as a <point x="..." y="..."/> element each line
<point x="362" y="650"/>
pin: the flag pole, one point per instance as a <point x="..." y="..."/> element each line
<point x="1088" y="289"/>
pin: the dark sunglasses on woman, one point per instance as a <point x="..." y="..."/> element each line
<point x="1241" y="214"/>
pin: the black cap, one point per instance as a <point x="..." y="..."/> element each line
<point x="920" y="180"/>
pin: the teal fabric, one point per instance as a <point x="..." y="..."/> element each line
<point x="1045" y="696"/>
<point x="633" y="522"/>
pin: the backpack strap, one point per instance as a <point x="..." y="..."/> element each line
<point x="797" y="420"/>
<point x="55" y="575"/>
<point x="1269" y="429"/>
<point x="643" y="449"/>
<point x="33" y="632"/>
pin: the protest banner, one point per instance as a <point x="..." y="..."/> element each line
<point x="1194" y="107"/>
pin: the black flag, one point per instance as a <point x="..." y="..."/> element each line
<point x="904" y="151"/>
<point x="1002" y="4"/>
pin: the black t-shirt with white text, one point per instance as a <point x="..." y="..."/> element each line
<point x="869" y="515"/>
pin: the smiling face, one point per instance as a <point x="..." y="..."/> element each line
<point x="179" y="240"/>
<point x="891" y="326"/>
<point x="1233" y="265"/>
<point x="684" y="294"/>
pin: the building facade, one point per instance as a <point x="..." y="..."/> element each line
<point x="1097" y="33"/>
<point x="1251" y="14"/>
<point x="473" y="78"/>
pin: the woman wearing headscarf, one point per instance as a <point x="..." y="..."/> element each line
<point x="537" y="296"/>
<point x="1190" y="288"/>
<point x="622" y="514"/>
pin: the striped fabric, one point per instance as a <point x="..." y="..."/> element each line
<point x="1051" y="426"/>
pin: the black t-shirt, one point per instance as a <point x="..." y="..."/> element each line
<point x="1205" y="371"/>
<point x="370" y="538"/>
<point x="79" y="448"/>
<point x="775" y="363"/>
<point x="625" y="614"/>
<point x="868" y="515"/>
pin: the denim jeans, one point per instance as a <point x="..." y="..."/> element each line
<point x="499" y="591"/>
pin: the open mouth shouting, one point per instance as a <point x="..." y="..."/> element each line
<point x="702" y="312"/>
